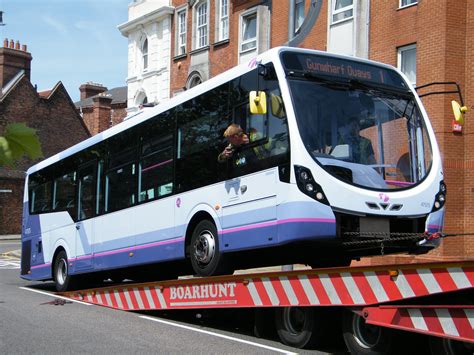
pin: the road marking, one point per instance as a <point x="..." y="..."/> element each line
<point x="218" y="335"/>
<point x="53" y="295"/>
<point x="9" y="263"/>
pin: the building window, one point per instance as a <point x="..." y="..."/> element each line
<point x="342" y="10"/>
<point x="194" y="80"/>
<point x="407" y="61"/>
<point x="181" y="32"/>
<point x="201" y="25"/>
<point x="249" y="32"/>
<point x="223" y="20"/>
<point x="145" y="54"/>
<point x="299" y="14"/>
<point x="404" y="3"/>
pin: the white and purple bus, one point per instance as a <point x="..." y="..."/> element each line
<point x="339" y="164"/>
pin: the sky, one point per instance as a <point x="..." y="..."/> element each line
<point x="72" y="41"/>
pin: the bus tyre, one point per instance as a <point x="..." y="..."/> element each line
<point x="297" y="326"/>
<point x="363" y="338"/>
<point x="62" y="280"/>
<point x="450" y="347"/>
<point x="206" y="258"/>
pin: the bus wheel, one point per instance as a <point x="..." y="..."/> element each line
<point x="363" y="338"/>
<point x="63" y="281"/>
<point x="450" y="347"/>
<point x="296" y="326"/>
<point x="206" y="258"/>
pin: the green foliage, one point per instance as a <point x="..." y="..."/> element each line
<point x="18" y="140"/>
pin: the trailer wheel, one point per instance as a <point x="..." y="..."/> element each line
<point x="206" y="258"/>
<point x="62" y="280"/>
<point x="296" y="326"/>
<point x="363" y="338"/>
<point x="450" y="347"/>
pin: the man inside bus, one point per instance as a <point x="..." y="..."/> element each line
<point x="237" y="138"/>
<point x="361" y="148"/>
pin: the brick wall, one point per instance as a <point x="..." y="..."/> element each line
<point x="103" y="116"/>
<point x="11" y="205"/>
<point x="58" y="126"/>
<point x="222" y="55"/>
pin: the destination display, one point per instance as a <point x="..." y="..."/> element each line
<point x="342" y="68"/>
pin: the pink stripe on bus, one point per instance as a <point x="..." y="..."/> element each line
<point x="157" y="165"/>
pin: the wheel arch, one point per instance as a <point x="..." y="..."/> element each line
<point x="198" y="216"/>
<point x="59" y="246"/>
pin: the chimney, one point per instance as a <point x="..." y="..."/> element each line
<point x="13" y="60"/>
<point x="101" y="113"/>
<point x="91" y="89"/>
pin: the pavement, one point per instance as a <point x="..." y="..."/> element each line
<point x="11" y="237"/>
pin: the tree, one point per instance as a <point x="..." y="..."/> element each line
<point x="17" y="141"/>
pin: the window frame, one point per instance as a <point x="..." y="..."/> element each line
<point x="144" y="53"/>
<point x="401" y="6"/>
<point x="335" y="12"/>
<point x="297" y="4"/>
<point x="248" y="14"/>
<point x="197" y="27"/>
<point x="222" y="22"/>
<point x="181" y="48"/>
<point x="400" y="51"/>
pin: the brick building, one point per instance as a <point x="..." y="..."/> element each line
<point x="51" y="113"/>
<point x="427" y="40"/>
<point x="101" y="108"/>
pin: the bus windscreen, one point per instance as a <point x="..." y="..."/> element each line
<point x="341" y="68"/>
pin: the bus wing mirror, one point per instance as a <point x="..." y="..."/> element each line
<point x="277" y="106"/>
<point x="459" y="112"/>
<point x="258" y="102"/>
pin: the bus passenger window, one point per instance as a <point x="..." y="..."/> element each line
<point x="119" y="188"/>
<point x="40" y="198"/>
<point x="156" y="168"/>
<point x="65" y="193"/>
<point x="87" y="192"/>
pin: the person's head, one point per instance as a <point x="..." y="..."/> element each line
<point x="354" y="126"/>
<point x="236" y="135"/>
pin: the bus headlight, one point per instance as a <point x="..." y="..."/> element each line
<point x="440" y="198"/>
<point x="307" y="185"/>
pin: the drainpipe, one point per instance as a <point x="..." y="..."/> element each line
<point x="291" y="20"/>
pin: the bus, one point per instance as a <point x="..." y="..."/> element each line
<point x="339" y="160"/>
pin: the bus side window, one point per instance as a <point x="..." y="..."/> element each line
<point x="65" y="193"/>
<point x="156" y="168"/>
<point x="120" y="175"/>
<point x="41" y="198"/>
<point x="87" y="187"/>
<point x="201" y="123"/>
<point x="120" y="187"/>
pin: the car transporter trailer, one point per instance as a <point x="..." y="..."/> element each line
<point x="372" y="304"/>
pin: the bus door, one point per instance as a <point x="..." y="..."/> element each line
<point x="250" y="213"/>
<point x="87" y="181"/>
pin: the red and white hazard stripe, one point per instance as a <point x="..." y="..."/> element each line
<point x="450" y="322"/>
<point x="347" y="287"/>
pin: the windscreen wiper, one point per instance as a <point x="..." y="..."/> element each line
<point x="381" y="90"/>
<point x="335" y="84"/>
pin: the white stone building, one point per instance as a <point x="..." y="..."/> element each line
<point x="148" y="30"/>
